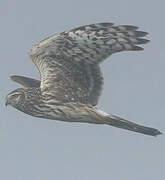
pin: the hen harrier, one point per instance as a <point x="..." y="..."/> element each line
<point x="71" y="81"/>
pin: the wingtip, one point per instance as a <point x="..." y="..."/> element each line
<point x="137" y="48"/>
<point x="141" y="33"/>
<point x="128" y="27"/>
<point x="142" y="41"/>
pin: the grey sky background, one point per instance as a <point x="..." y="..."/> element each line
<point x="38" y="149"/>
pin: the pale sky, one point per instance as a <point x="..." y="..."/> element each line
<point x="40" y="149"/>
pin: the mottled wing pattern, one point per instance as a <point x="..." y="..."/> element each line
<point x="25" y="81"/>
<point x="69" y="62"/>
<point x="96" y="42"/>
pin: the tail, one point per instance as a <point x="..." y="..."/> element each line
<point x="128" y="125"/>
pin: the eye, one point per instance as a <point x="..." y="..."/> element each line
<point x="15" y="95"/>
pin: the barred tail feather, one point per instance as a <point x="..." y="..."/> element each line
<point x="128" y="125"/>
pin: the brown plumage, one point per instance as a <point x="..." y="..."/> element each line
<point x="71" y="81"/>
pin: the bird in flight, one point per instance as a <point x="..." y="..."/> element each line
<point x="70" y="78"/>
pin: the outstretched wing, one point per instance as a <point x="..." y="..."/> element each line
<point x="69" y="62"/>
<point x="25" y="81"/>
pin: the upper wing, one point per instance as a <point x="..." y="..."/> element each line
<point x="68" y="62"/>
<point x="25" y="81"/>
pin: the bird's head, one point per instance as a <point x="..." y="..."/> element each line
<point x="24" y="99"/>
<point x="15" y="98"/>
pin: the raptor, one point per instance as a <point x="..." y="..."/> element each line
<point x="70" y="78"/>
